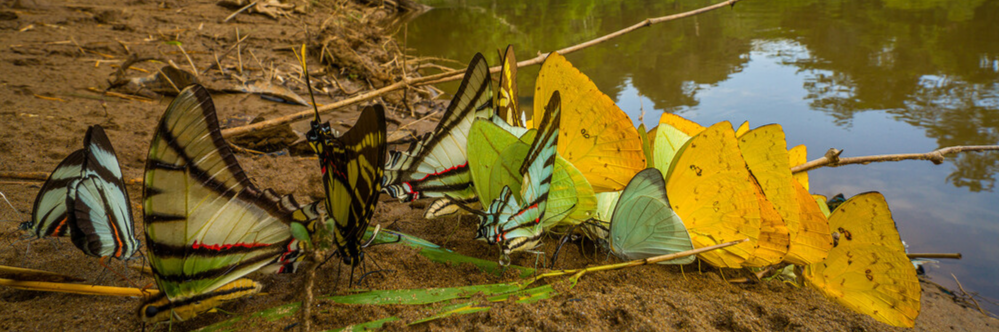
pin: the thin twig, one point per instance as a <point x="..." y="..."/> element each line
<point x="935" y="255"/>
<point x="41" y="176"/>
<point x="456" y="75"/>
<point x="235" y="46"/>
<point x="239" y="11"/>
<point x="239" y="53"/>
<point x="181" y="47"/>
<point x="966" y="294"/>
<point x="832" y="159"/>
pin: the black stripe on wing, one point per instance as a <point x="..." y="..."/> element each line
<point x="472" y="96"/>
<point x="50" y="214"/>
<point x="206" y="107"/>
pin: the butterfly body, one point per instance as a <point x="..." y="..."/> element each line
<point x="352" y="171"/>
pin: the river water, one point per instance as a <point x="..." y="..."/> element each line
<point x="865" y="76"/>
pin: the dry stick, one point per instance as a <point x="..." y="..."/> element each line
<point x="40" y="176"/>
<point x="966" y="294"/>
<point x="77" y="289"/>
<point x="310" y="279"/>
<point x="934" y="255"/>
<point x="637" y="262"/>
<point x="239" y="11"/>
<point x="239" y="54"/>
<point x="238" y="40"/>
<point x="181" y="47"/>
<point x="832" y="159"/>
<point x="22" y="274"/>
<point x="455" y="75"/>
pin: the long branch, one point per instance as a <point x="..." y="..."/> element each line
<point x="832" y="159"/>
<point x="457" y="74"/>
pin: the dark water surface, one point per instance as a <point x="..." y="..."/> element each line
<point x="867" y="77"/>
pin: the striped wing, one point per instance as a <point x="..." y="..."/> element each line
<point x="206" y="223"/>
<point x="644" y="225"/>
<point x="352" y="172"/>
<point x="49" y="216"/>
<point x="437" y="165"/>
<point x="523" y="229"/>
<point x="507" y="108"/>
<point x="104" y="225"/>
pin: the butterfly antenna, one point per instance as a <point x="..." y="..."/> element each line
<point x="8" y="203"/>
<point x="308" y="84"/>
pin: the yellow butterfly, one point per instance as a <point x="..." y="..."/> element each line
<point x="796" y="156"/>
<point x="597" y="137"/>
<point x="709" y="189"/>
<point x="765" y="151"/>
<point x="813" y="239"/>
<point x="867" y="269"/>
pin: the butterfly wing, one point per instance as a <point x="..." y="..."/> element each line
<point x="709" y="189"/>
<point x="798" y="155"/>
<point x="671" y="134"/>
<point x="600" y="140"/>
<point x="644" y="225"/>
<point x="50" y="215"/>
<point x="507" y="107"/>
<point x="206" y="223"/>
<point x="867" y="269"/>
<point x="765" y="152"/>
<point x="104" y="225"/>
<point x="814" y="240"/>
<point x="437" y="165"/>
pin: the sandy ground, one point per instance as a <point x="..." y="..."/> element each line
<point x="52" y="52"/>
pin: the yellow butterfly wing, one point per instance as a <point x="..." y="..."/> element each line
<point x="597" y="138"/>
<point x="765" y="151"/>
<point x="796" y="156"/>
<point x="774" y="239"/>
<point x="743" y="129"/>
<point x="670" y="135"/>
<point x="708" y="188"/>
<point x="814" y="239"/>
<point x="867" y="269"/>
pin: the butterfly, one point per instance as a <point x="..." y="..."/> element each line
<point x="765" y="151"/>
<point x="709" y="188"/>
<point x="85" y="197"/>
<point x="516" y="224"/>
<point x="600" y="140"/>
<point x="867" y="269"/>
<point x="207" y="225"/>
<point x="643" y="224"/>
<point x="495" y="157"/>
<point x="352" y="172"/>
<point x="437" y="164"/>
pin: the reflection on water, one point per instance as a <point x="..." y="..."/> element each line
<point x="868" y="77"/>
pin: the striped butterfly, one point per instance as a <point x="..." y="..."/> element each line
<point x="85" y="198"/>
<point x="207" y="225"/>
<point x="352" y="171"/>
<point x="506" y="102"/>
<point x="437" y="164"/>
<point x="513" y="225"/>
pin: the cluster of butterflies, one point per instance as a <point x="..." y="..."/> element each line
<point x="677" y="187"/>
